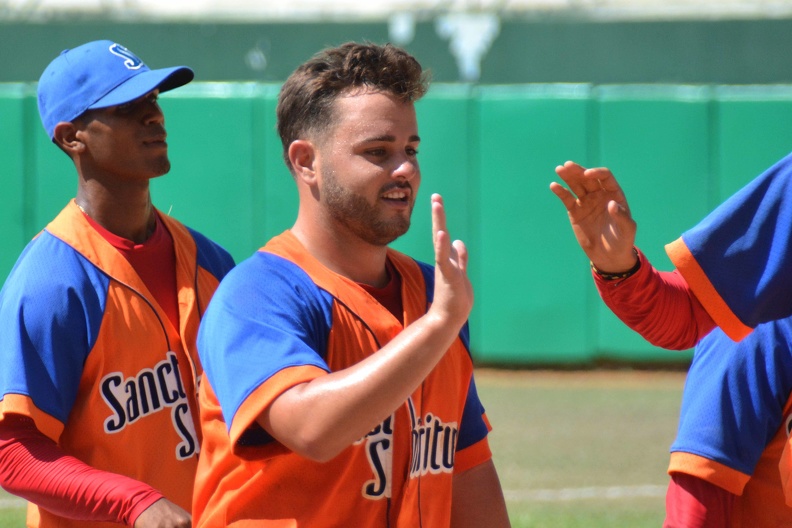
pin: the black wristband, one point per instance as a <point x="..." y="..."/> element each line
<point x="604" y="275"/>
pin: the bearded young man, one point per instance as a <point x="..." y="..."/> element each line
<point x="339" y="383"/>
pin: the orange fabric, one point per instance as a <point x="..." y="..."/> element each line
<point x="763" y="498"/>
<point x="704" y="291"/>
<point x="270" y="486"/>
<point x="727" y="478"/>
<point x="265" y="394"/>
<point x="138" y="354"/>
<point x="472" y="456"/>
<point x="22" y="405"/>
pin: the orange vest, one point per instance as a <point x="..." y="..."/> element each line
<point x="399" y="475"/>
<point x="103" y="371"/>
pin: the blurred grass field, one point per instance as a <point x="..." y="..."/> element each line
<point x="582" y="449"/>
<point x="573" y="449"/>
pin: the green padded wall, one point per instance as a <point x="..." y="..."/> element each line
<point x="532" y="283"/>
<point x="54" y="181"/>
<point x="445" y="159"/>
<point x="656" y="140"/>
<point x="210" y="185"/>
<point x="491" y="151"/>
<point x="276" y="196"/>
<point x="527" y="49"/>
<point x="15" y="210"/>
<point x="753" y="131"/>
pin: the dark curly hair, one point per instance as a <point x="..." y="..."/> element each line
<point x="305" y="103"/>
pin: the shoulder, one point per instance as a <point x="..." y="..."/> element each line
<point x="211" y="255"/>
<point x="48" y="267"/>
<point x="270" y="281"/>
<point x="771" y="339"/>
<point x="761" y="363"/>
<point x="53" y="297"/>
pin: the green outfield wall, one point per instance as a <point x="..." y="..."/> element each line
<point x="491" y="150"/>
<point x="518" y="49"/>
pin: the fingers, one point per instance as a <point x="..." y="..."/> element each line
<point x="621" y="216"/>
<point x="445" y="250"/>
<point x="462" y="255"/>
<point x="564" y="195"/>
<point x="572" y="174"/>
<point x="440" y="237"/>
<point x="582" y="181"/>
<point x="604" y="177"/>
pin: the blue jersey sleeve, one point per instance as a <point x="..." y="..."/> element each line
<point x="472" y="429"/>
<point x="266" y="315"/>
<point x="211" y="256"/>
<point x="744" y="247"/>
<point x="51" y="309"/>
<point x="735" y="394"/>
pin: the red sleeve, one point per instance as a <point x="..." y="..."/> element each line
<point x="33" y="467"/>
<point x="658" y="305"/>
<point x="695" y="503"/>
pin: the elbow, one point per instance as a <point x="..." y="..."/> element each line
<point x="316" y="448"/>
<point x="311" y="442"/>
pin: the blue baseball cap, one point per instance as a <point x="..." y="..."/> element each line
<point x="97" y="75"/>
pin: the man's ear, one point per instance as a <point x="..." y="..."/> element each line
<point x="66" y="137"/>
<point x="302" y="156"/>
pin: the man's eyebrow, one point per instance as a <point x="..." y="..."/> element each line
<point x="390" y="138"/>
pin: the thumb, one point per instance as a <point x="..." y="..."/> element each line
<point x="621" y="218"/>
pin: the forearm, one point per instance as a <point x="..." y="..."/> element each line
<point x="34" y="468"/>
<point x="478" y="499"/>
<point x="320" y="418"/>
<point x="695" y="503"/>
<point x="658" y="305"/>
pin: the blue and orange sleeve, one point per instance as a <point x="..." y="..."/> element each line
<point x="253" y="331"/>
<point x="51" y="316"/>
<point x="737" y="259"/>
<point x="706" y="293"/>
<point x="733" y="406"/>
<point x="708" y="470"/>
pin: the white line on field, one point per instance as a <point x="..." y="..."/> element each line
<point x="570" y="494"/>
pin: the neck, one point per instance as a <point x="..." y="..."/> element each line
<point x="348" y="256"/>
<point x="129" y="215"/>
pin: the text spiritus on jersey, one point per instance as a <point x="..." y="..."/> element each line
<point x="433" y="444"/>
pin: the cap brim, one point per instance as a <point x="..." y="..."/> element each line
<point x="135" y="87"/>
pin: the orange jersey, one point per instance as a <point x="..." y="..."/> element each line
<point x="280" y="319"/>
<point x="96" y="362"/>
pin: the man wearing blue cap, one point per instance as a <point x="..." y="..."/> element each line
<point x="98" y="388"/>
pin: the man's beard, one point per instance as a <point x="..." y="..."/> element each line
<point x="353" y="211"/>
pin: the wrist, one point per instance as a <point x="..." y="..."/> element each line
<point x="618" y="275"/>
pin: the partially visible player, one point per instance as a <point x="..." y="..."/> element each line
<point x="339" y="384"/>
<point x="99" y="316"/>
<point x="733" y="426"/>
<point x="732" y="271"/>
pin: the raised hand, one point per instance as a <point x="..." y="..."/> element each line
<point x="599" y="215"/>
<point x="453" y="292"/>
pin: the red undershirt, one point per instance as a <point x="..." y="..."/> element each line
<point x="154" y="261"/>
<point x="33" y="467"/>
<point x="390" y="295"/>
<point x="661" y="307"/>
